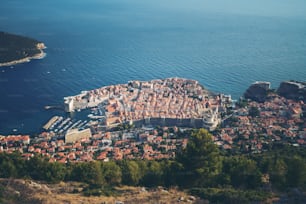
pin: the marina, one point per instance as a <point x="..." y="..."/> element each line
<point x="59" y="125"/>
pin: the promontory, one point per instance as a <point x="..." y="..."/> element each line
<point x="15" y="49"/>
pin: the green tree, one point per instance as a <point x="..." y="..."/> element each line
<point x="130" y="172"/>
<point x="7" y="170"/>
<point x="243" y="172"/>
<point x="7" y="166"/>
<point x="143" y="168"/>
<point x="55" y="172"/>
<point x="201" y="159"/>
<point x="89" y="173"/>
<point x="173" y="172"/>
<point x="254" y="111"/>
<point x="277" y="172"/>
<point x="111" y="173"/>
<point x="153" y="175"/>
<point x="296" y="174"/>
<point x="36" y="167"/>
<point x="242" y="103"/>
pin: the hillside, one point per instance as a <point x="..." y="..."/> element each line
<point x="28" y="191"/>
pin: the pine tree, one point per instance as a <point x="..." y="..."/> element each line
<point x="201" y="160"/>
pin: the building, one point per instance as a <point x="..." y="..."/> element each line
<point x="74" y="135"/>
<point x="68" y="104"/>
<point x="11" y="139"/>
<point x="211" y="120"/>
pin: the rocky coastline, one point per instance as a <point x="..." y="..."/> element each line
<point x="259" y="91"/>
<point x="40" y="55"/>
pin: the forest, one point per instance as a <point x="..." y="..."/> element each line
<point x="201" y="168"/>
<point x="15" y="47"/>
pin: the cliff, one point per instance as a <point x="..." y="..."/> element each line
<point x="293" y="90"/>
<point x="258" y="91"/>
<point x="18" y="49"/>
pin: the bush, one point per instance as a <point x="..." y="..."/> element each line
<point x="104" y="191"/>
<point x="230" y="195"/>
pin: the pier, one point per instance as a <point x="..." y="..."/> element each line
<point x="50" y="122"/>
<point x="54" y="107"/>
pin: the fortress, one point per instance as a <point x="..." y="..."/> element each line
<point x="171" y="101"/>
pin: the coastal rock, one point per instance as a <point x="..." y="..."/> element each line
<point x="293" y="90"/>
<point x="258" y="91"/>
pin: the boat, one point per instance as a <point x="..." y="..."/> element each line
<point x="64" y="122"/>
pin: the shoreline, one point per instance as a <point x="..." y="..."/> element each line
<point x="40" y="55"/>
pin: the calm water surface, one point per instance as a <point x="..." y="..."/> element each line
<point x="226" y="46"/>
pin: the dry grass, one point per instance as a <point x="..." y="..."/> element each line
<point x="71" y="193"/>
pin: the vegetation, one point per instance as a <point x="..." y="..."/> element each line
<point x="201" y="160"/>
<point x="25" y="191"/>
<point x="254" y="112"/>
<point x="230" y="195"/>
<point x="14" y="47"/>
<point x="200" y="167"/>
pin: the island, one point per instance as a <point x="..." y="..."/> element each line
<point x="16" y="49"/>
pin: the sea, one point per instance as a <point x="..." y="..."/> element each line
<point x="225" y="45"/>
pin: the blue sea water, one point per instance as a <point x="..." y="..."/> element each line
<point x="226" y="45"/>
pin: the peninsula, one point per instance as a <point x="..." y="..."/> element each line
<point x="171" y="101"/>
<point x="17" y="49"/>
<point x="259" y="146"/>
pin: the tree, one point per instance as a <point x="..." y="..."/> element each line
<point x="11" y="165"/>
<point x="254" y="111"/>
<point x="201" y="159"/>
<point x="111" y="173"/>
<point x="243" y="172"/>
<point x="36" y="167"/>
<point x="242" y="103"/>
<point x="278" y="171"/>
<point x="7" y="169"/>
<point x="296" y="174"/>
<point x="153" y="175"/>
<point x="89" y="173"/>
<point x="55" y="172"/>
<point x="173" y="172"/>
<point x="130" y="173"/>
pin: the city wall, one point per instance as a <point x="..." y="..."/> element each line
<point x="187" y="122"/>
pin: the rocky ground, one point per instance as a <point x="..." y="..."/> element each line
<point x="28" y="191"/>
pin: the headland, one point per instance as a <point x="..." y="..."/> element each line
<point x="177" y="101"/>
<point x="16" y="49"/>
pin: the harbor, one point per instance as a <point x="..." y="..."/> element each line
<point x="156" y="102"/>
<point x="58" y="125"/>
